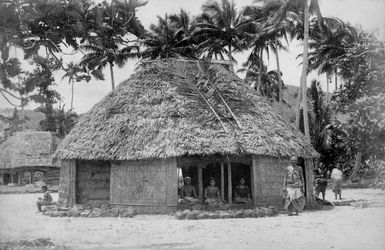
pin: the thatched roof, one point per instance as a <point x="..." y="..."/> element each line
<point x="27" y="149"/>
<point x="157" y="114"/>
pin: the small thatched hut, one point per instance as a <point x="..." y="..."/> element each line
<point x="178" y="115"/>
<point x="28" y="151"/>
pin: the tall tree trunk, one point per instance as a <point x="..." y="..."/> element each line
<point x="327" y="87"/>
<point x="304" y="73"/>
<point x="231" y="58"/>
<point x="298" y="106"/>
<point x="279" y="81"/>
<point x="72" y="94"/>
<point x="260" y="73"/>
<point x="336" y="78"/>
<point x="357" y="165"/>
<point x="112" y="76"/>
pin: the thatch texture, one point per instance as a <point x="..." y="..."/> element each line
<point x="27" y="149"/>
<point x="156" y="114"/>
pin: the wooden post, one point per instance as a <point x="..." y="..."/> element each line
<point x="222" y="180"/>
<point x="19" y="177"/>
<point x="309" y="179"/>
<point x="11" y="177"/>
<point x="32" y="174"/>
<point x="252" y="183"/>
<point x="200" y="183"/>
<point x="229" y="185"/>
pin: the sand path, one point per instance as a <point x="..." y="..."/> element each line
<point x="339" y="228"/>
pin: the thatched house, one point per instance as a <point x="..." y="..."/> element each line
<point x="178" y="114"/>
<point x="28" y="151"/>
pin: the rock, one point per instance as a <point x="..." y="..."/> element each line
<point x="59" y="208"/>
<point x="96" y="212"/>
<point x="54" y="214"/>
<point x="85" y="213"/>
<point x="179" y="216"/>
<point x="104" y="206"/>
<point x="224" y="206"/>
<point x="225" y="215"/>
<point x="186" y="211"/>
<point x="50" y="208"/>
<point x="78" y="207"/>
<point x="197" y="207"/>
<point x="248" y="213"/>
<point x="203" y="216"/>
<point x="62" y="213"/>
<point x="239" y="214"/>
<point x="73" y="213"/>
<point x="128" y="212"/>
<point x="260" y="212"/>
<point x="271" y="211"/>
<point x="114" y="212"/>
<point x="192" y="215"/>
<point x="213" y="216"/>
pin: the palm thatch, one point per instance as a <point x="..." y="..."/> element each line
<point x="28" y="149"/>
<point x="173" y="108"/>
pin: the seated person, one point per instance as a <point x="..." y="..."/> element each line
<point x="212" y="194"/>
<point x="242" y="193"/>
<point x="188" y="196"/>
<point x="46" y="200"/>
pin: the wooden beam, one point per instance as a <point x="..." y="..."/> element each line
<point x="252" y="183"/>
<point x="200" y="183"/>
<point x="222" y="180"/>
<point x="229" y="184"/>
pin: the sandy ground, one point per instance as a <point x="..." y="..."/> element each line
<point x="339" y="228"/>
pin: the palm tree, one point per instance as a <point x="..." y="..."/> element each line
<point x="223" y="27"/>
<point x="72" y="72"/>
<point x="169" y="38"/>
<point x="295" y="8"/>
<point x="107" y="42"/>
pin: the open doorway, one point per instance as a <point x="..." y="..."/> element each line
<point x="219" y="171"/>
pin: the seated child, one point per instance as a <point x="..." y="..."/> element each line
<point x="46" y="200"/>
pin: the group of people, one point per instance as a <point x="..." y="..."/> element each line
<point x="212" y="193"/>
<point x="321" y="181"/>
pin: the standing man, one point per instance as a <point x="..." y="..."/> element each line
<point x="293" y="187"/>
<point x="336" y="177"/>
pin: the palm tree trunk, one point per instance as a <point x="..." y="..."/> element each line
<point x="72" y="95"/>
<point x="298" y="106"/>
<point x="304" y="73"/>
<point x="336" y="78"/>
<point x="279" y="81"/>
<point x="231" y="59"/>
<point x="260" y="73"/>
<point x="357" y="165"/>
<point x="112" y="76"/>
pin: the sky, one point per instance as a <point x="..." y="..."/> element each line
<point x="370" y="14"/>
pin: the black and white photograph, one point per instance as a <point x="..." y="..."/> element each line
<point x="192" y="124"/>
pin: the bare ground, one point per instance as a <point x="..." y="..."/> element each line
<point x="343" y="227"/>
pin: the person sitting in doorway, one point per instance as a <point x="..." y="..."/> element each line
<point x="188" y="195"/>
<point x="212" y="194"/>
<point x="242" y="193"/>
<point x="46" y="200"/>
